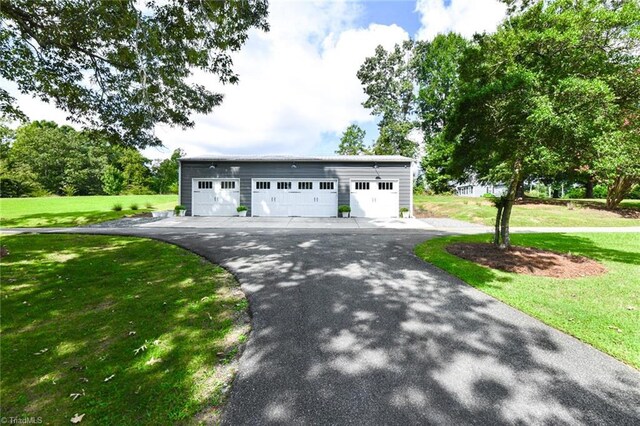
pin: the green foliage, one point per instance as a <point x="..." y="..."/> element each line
<point x="404" y="210"/>
<point x="388" y="80"/>
<point x="55" y="158"/>
<point x="352" y="141"/>
<point x="344" y="208"/>
<point x="179" y="207"/>
<point x="545" y="94"/>
<point x="437" y="64"/>
<point x="134" y="206"/>
<point x="394" y="140"/>
<point x="241" y="209"/>
<point x="112" y="180"/>
<point x="107" y="297"/>
<point x="117" y="207"/>
<point x="140" y="58"/>
<point x="165" y="173"/>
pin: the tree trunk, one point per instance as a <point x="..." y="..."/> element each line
<point x="588" y="189"/>
<point x="520" y="190"/>
<point x="496" y="234"/>
<point x="617" y="190"/>
<point x="507" y="206"/>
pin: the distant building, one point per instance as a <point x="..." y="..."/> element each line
<point x="475" y="189"/>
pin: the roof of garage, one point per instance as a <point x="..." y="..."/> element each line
<point x="290" y="158"/>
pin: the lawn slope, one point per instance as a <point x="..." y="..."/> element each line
<point x="539" y="213"/>
<point x="75" y="211"/>
<point x="122" y="330"/>
<point x="603" y="311"/>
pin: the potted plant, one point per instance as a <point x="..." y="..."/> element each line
<point x="345" y="211"/>
<point x="242" y="211"/>
<point x="180" y="210"/>
<point x="404" y="212"/>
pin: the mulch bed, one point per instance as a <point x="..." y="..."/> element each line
<point x="525" y="260"/>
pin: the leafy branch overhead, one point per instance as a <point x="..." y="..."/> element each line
<point x="120" y="68"/>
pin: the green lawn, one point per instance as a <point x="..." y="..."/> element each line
<point x="74" y="211"/>
<point x="137" y="331"/>
<point x="603" y="311"/>
<point x="481" y="211"/>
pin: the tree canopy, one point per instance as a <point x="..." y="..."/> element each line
<point x="120" y="67"/>
<point x="555" y="86"/>
<point x="352" y="141"/>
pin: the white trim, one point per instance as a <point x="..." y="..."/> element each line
<point x="297" y="179"/>
<point x="180" y="183"/>
<point x="410" y="191"/>
<point x="193" y="187"/>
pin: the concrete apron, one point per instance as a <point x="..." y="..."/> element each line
<point x="287" y="222"/>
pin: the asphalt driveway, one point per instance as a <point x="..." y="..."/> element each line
<point x="350" y="327"/>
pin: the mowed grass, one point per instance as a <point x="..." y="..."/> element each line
<point x="481" y="211"/>
<point x="75" y="211"/>
<point x="603" y="311"/>
<point x="122" y="330"/>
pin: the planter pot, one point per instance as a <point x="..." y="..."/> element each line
<point x="182" y="213"/>
<point x="405" y="215"/>
<point x="157" y="214"/>
<point x="169" y="213"/>
<point x="243" y="213"/>
<point x="345" y="214"/>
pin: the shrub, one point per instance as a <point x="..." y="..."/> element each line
<point x="133" y="206"/>
<point x="599" y="191"/>
<point x="344" y="209"/>
<point x="404" y="210"/>
<point x="116" y="207"/>
<point x="241" y="209"/>
<point x="149" y="205"/>
<point x="575" y="193"/>
<point x="488" y="195"/>
<point x="179" y="207"/>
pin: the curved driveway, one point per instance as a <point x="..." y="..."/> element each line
<point x="351" y="327"/>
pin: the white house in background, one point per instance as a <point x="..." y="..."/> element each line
<point x="475" y="189"/>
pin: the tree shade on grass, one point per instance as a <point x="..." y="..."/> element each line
<point x="603" y="310"/>
<point x="481" y="211"/>
<point x="122" y="330"/>
<point x="76" y="211"/>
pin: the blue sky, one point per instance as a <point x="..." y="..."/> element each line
<point x="298" y="88"/>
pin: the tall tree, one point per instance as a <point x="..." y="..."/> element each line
<point x="544" y="90"/>
<point x="388" y="80"/>
<point x="352" y="141"/>
<point x="165" y="173"/>
<point x="437" y="63"/>
<point x="123" y="67"/>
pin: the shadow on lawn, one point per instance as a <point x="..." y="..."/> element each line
<point x="353" y="328"/>
<point x="87" y="330"/>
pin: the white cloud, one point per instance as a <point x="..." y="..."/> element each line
<point x="465" y="17"/>
<point x="297" y="82"/>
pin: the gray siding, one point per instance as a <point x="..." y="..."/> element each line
<point x="245" y="171"/>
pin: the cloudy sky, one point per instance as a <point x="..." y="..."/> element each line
<point x="298" y="88"/>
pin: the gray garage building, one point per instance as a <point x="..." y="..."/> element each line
<point x="373" y="185"/>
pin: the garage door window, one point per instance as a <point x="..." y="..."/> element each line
<point x="305" y="185"/>
<point x="362" y="186"/>
<point x="263" y="185"/>
<point x="385" y="186"/>
<point x="326" y="185"/>
<point x="284" y="185"/>
<point x="228" y="184"/>
<point x="205" y="184"/>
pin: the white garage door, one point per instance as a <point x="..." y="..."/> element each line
<point x="215" y="197"/>
<point x="294" y="197"/>
<point x="375" y="198"/>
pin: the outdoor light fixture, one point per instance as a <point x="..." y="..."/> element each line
<point x="213" y="166"/>
<point x="293" y="166"/>
<point x="375" y="167"/>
